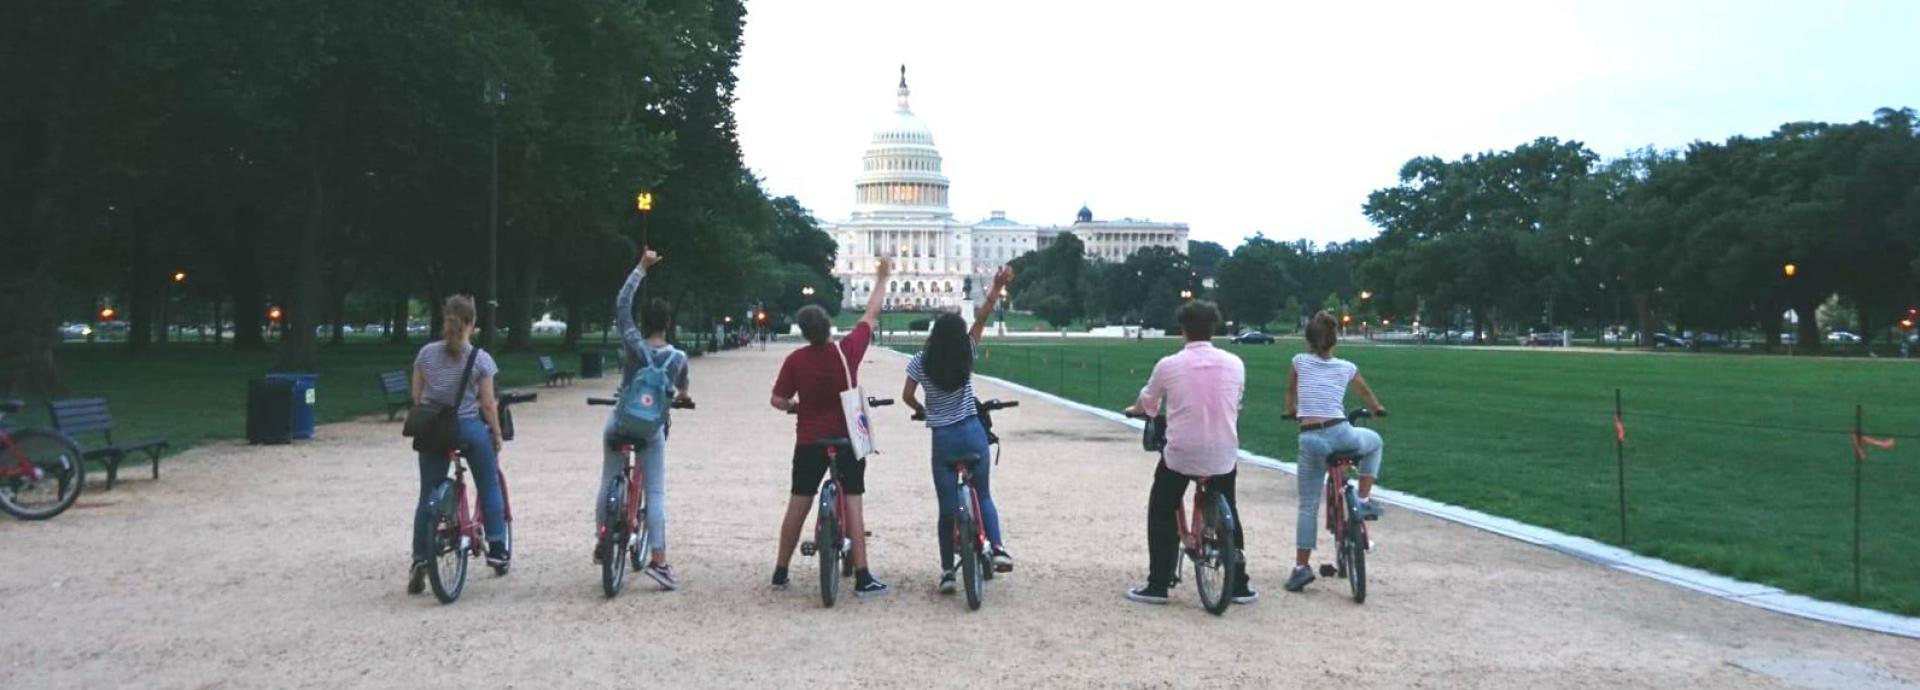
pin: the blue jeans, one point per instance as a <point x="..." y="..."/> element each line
<point x="962" y="438"/>
<point x="1315" y="447"/>
<point x="653" y="465"/>
<point x="476" y="441"/>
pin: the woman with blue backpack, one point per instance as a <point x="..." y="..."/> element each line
<point x="652" y="374"/>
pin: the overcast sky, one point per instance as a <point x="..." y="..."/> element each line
<point x="1280" y="117"/>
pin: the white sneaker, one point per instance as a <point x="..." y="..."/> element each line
<point x="948" y="582"/>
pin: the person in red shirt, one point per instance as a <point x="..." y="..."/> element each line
<point x="810" y="382"/>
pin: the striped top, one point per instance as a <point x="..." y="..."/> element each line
<point x="944" y="407"/>
<point x="1323" y="385"/>
<point x="442" y="372"/>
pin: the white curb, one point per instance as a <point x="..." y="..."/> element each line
<point x="1751" y="594"/>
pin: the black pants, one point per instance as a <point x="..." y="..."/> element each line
<point x="1163" y="530"/>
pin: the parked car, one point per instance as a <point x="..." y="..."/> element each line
<point x="1663" y="340"/>
<point x="1705" y="341"/>
<point x="1253" y="338"/>
<point x="76" y="330"/>
<point x="1546" y="339"/>
<point x="1843" y="338"/>
<point x="1788" y="338"/>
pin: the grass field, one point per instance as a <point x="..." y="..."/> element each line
<point x="194" y="394"/>
<point x="1737" y="464"/>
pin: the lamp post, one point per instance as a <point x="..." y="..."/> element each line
<point x="495" y="96"/>
<point x="166" y="303"/>
<point x="808" y="293"/>
<point x="1186" y="295"/>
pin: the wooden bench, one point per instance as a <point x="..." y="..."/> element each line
<point x="90" y="416"/>
<point x="554" y="374"/>
<point x="396" y="390"/>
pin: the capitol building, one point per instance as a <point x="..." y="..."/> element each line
<point x="901" y="211"/>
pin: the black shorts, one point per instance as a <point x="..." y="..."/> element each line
<point x="810" y="466"/>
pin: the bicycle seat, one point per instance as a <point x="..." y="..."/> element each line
<point x="616" y="441"/>
<point x="963" y="459"/>
<point x="1346" y="456"/>
<point x="11" y="406"/>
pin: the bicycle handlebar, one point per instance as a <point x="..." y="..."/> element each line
<point x="871" y="402"/>
<point x="981" y="405"/>
<point x="677" y="403"/>
<point x="1358" y="413"/>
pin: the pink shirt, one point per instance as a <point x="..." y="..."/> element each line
<point x="1202" y="386"/>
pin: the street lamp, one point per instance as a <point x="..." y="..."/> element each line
<point x="1186" y="294"/>
<point x="1366" y="295"/>
<point x="166" y="303"/>
<point x="1789" y="270"/>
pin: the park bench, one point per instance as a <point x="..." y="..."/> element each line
<point x="396" y="391"/>
<point x="90" y="416"/>
<point x="554" y="374"/>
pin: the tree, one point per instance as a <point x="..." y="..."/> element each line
<point x="1254" y="282"/>
<point x="1049" y="282"/>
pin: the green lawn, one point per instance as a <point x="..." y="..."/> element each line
<point x="194" y="394"/>
<point x="1720" y="471"/>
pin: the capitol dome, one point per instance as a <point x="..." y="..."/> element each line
<point x="900" y="172"/>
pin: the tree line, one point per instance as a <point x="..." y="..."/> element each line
<point x="340" y="160"/>
<point x="1750" y="234"/>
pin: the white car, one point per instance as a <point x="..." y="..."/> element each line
<point x="1843" y="338"/>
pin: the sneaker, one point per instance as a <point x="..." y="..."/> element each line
<point x="949" y="580"/>
<point x="600" y="549"/>
<point x="1002" y="561"/>
<point x="1148" y="594"/>
<point x="417" y="579"/>
<point x="872" y="587"/>
<point x="779" y="578"/>
<point x="1369" y="510"/>
<point x="1246" y="595"/>
<point x="497" y="555"/>
<point x="663" y="574"/>
<point x="1298" y="581"/>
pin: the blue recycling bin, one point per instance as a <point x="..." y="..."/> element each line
<point x="303" y="395"/>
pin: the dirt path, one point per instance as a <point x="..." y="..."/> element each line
<point x="284" y="566"/>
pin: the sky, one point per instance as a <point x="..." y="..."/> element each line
<point x="1280" y="117"/>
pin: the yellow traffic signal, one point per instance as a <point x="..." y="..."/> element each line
<point x="643" y="201"/>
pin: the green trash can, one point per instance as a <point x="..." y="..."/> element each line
<point x="593" y="364"/>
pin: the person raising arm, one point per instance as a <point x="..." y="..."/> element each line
<point x="809" y="385"/>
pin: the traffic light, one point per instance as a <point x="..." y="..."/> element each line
<point x="761" y="316"/>
<point x="106" y="313"/>
<point x="273" y="314"/>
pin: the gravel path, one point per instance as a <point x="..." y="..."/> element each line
<point x="285" y="566"/>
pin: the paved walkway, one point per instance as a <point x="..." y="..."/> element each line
<point x="284" y="566"/>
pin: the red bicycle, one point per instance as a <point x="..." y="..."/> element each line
<point x="1207" y="540"/>
<point x="1344" y="520"/>
<point x="976" y="553"/>
<point x="458" y="527"/>
<point x="830" y="540"/>
<point x="41" y="470"/>
<point x="623" y="527"/>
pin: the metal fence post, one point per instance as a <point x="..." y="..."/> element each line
<point x="1620" y="461"/>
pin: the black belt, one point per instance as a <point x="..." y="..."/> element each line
<point x="1316" y="426"/>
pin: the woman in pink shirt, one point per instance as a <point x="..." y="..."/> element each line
<point x="1201" y="387"/>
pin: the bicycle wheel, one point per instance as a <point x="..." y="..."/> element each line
<point x="642" y="540"/>
<point x="613" y="511"/>
<point x="449" y="572"/>
<point x="59" y="468"/>
<point x="1354" y="545"/>
<point x="1212" y="567"/>
<point x="826" y="540"/>
<point x="971" y="569"/>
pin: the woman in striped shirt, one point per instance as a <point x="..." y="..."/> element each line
<point x="945" y="368"/>
<point x="1316" y="391"/>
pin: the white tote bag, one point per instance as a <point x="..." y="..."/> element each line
<point x="854" y="404"/>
